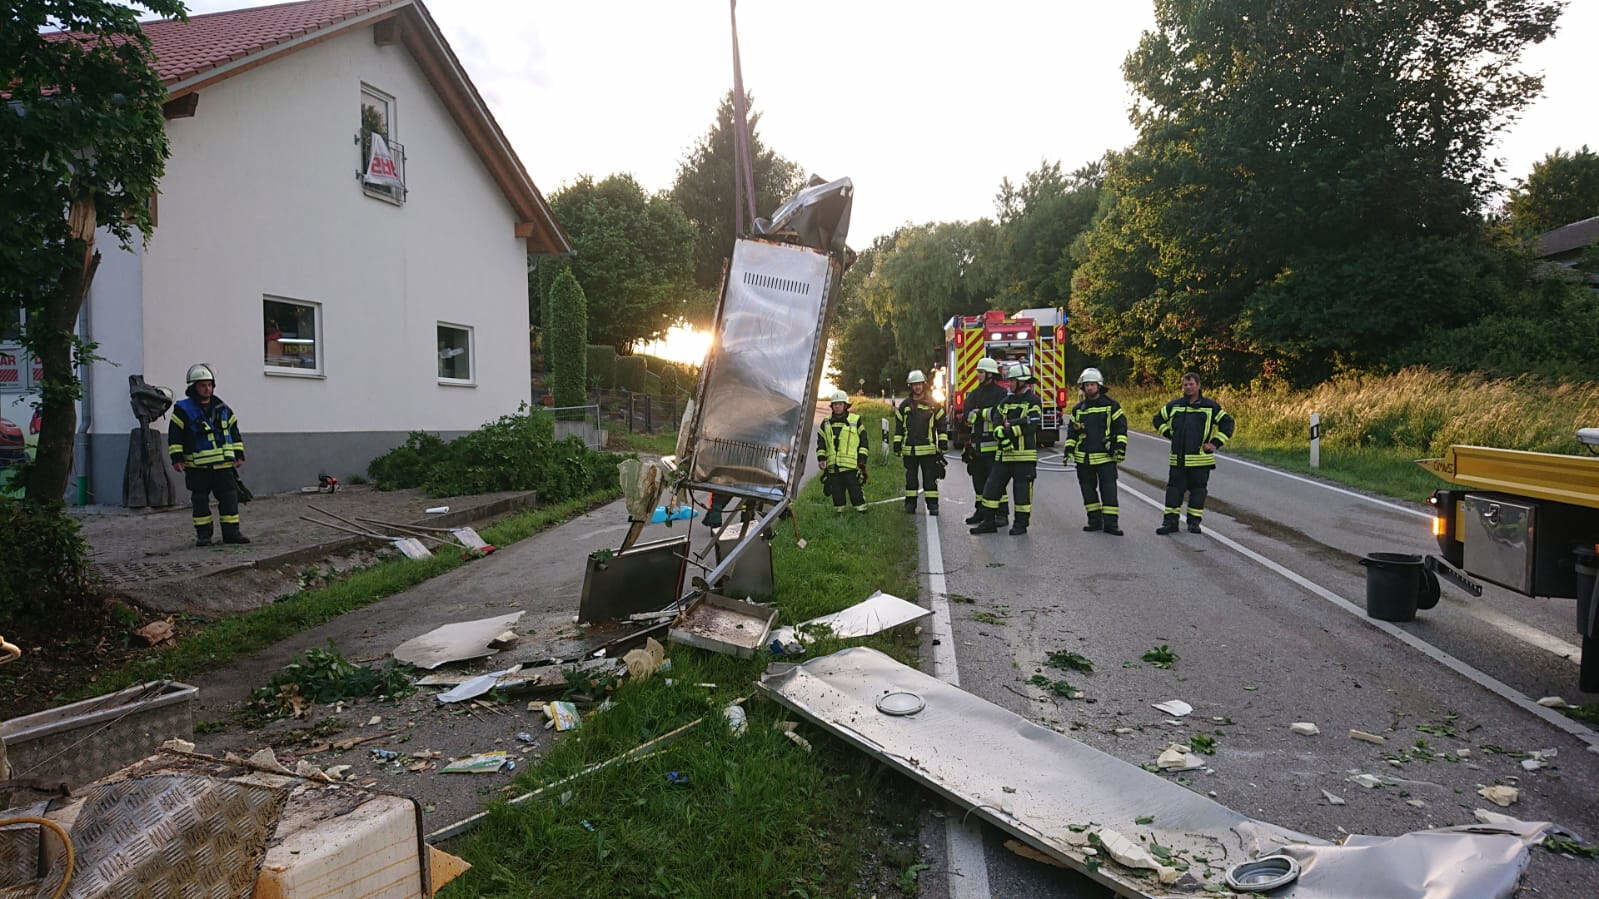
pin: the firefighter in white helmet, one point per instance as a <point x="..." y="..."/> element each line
<point x="1016" y="422"/>
<point x="841" y="454"/>
<point x="204" y="443"/>
<point x="921" y="439"/>
<point x="982" y="447"/>
<point x="1096" y="441"/>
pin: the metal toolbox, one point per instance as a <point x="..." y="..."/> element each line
<point x="86" y="740"/>
<point x="1525" y="545"/>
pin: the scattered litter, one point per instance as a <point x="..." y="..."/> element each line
<point x="1122" y="730"/>
<point x="418" y="767"/>
<point x="303" y="768"/>
<point x="1174" y="707"/>
<point x="1304" y="728"/>
<point x="1554" y="702"/>
<point x="1365" y="737"/>
<point x="722" y="624"/>
<point x="178" y="745"/>
<point x="438" y="510"/>
<point x="1008" y="789"/>
<point x="374" y="721"/>
<point x="1178" y="758"/>
<point x="566" y="797"/>
<point x="525" y="737"/>
<point x="587" y="826"/>
<point x="266" y="758"/>
<point x="349" y="743"/>
<point x="508" y="638"/>
<point x="1495" y="818"/>
<point x="384" y="755"/>
<point x="1369" y="781"/>
<point x="1462" y="753"/>
<point x="873" y="615"/>
<point x="454" y="642"/>
<point x="482" y="763"/>
<point x="677" y="778"/>
<point x="1161" y="656"/>
<point x="1502" y="796"/>
<point x="1331" y="799"/>
<point x="1542" y="754"/>
<point x="477" y="686"/>
<point x="337" y="772"/>
<point x="1531" y="764"/>
<point x="800" y="543"/>
<point x="737" y="722"/>
<point x="563" y="715"/>
<point x="156" y="632"/>
<point x="1133" y="855"/>
<point x="641" y="663"/>
<point x="798" y="740"/>
<point x="1415" y="803"/>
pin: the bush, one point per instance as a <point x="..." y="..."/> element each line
<point x="44" y="566"/>
<point x="630" y="371"/>
<point x="602" y="366"/>
<point x="515" y="452"/>
<point x="568" y="341"/>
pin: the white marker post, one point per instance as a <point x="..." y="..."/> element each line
<point x="1315" y="440"/>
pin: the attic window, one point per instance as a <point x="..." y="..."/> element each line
<point x="382" y="173"/>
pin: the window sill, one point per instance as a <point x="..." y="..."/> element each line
<point x="383" y="195"/>
<point x="450" y="382"/>
<point x="293" y="373"/>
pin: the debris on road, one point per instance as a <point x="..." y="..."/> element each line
<point x="177" y="745"/>
<point x="482" y="763"/>
<point x="1031" y="854"/>
<point x="1500" y="795"/>
<point x="1304" y="728"/>
<point x="641" y="663"/>
<point x="1331" y="799"/>
<point x="1415" y="803"/>
<point x="1177" y="757"/>
<point x="1554" y="702"/>
<point x="563" y="715"/>
<point x="1174" y="707"/>
<point x="456" y="642"/>
<point x="477" y="686"/>
<point x="1365" y="737"/>
<point x="268" y="760"/>
<point x="879" y="613"/>
<point x="156" y="632"/>
<point x="737" y="721"/>
<point x="1161" y="656"/>
<point x="1070" y="661"/>
<point x="1369" y="781"/>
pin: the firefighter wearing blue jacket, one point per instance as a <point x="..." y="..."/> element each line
<point x="1016" y="420"/>
<point x="204" y="443"/>
<point x="1196" y="425"/>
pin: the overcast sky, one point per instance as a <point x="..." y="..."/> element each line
<point x="926" y="105"/>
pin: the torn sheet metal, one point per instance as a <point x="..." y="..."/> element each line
<point x="645" y="577"/>
<point x="1036" y="785"/>
<point x="455" y="642"/>
<point x="476" y="686"/>
<point x="873" y="615"/>
<point x="817" y="216"/>
<point x="725" y="625"/>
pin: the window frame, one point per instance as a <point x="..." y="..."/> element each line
<point x="471" y="355"/>
<point x="320" y="338"/>
<point x="390" y="109"/>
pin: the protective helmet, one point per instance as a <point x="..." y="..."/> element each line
<point x="988" y="364"/>
<point x="839" y="396"/>
<point x="1021" y="371"/>
<point x="916" y="377"/>
<point x="200" y="371"/>
<point x="1090" y="374"/>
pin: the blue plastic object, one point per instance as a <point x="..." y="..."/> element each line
<point x="683" y="513"/>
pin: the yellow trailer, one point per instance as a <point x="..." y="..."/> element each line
<point x="1526" y="521"/>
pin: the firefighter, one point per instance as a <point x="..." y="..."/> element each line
<point x="1096" y="441"/>
<point x="204" y="443"/>
<point x="841" y="453"/>
<point x="1016" y="422"/>
<point x="1196" y="426"/>
<point x="921" y="439"/>
<point x="981" y="447"/>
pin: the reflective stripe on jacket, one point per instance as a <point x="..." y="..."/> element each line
<point x="841" y="443"/>
<point x="1096" y="431"/>
<point x="1016" y="423"/>
<point x="1190" y="426"/>
<point x="919" y="429"/>
<point x="204" y="437"/>
<point x="987" y="395"/>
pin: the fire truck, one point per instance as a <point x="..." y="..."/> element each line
<point x="1034" y="336"/>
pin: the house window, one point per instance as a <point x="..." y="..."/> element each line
<point x="455" y="354"/>
<point x="293" y="336"/>
<point x="383" y="172"/>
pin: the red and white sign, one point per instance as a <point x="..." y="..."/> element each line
<point x="380" y="168"/>
<point x="10" y="369"/>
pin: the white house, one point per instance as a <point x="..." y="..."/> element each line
<point x="338" y="313"/>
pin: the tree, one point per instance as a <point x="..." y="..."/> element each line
<point x="1293" y="142"/>
<point x="704" y="189"/>
<point x="634" y="256"/>
<point x="82" y="146"/>
<point x="862" y="348"/>
<point x="929" y="273"/>
<point x="1562" y="188"/>
<point x="568" y="344"/>
<point x="1038" y="221"/>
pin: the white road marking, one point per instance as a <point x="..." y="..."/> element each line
<point x="598" y="531"/>
<point x="1522" y="631"/>
<point x="1487" y="681"/>
<point x="968" y="864"/>
<point x="1312" y="481"/>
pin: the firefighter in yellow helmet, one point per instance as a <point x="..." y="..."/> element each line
<point x="1016" y="422"/>
<point x="921" y="439"/>
<point x="982" y="447"/>
<point x="204" y="443"/>
<point x="1096" y="442"/>
<point x="841" y="453"/>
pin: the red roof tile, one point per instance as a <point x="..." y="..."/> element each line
<point x="185" y="49"/>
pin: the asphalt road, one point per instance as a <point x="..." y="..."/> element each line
<point x="1252" y="609"/>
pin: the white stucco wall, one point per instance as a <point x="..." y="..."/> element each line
<point x="261" y="198"/>
<point x="114" y="318"/>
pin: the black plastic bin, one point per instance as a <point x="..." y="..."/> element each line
<point x="1393" y="585"/>
<point x="1588" y="618"/>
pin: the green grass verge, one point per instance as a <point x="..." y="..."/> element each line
<point x="1390" y="472"/>
<point x="229" y="638"/>
<point x="759" y="816"/>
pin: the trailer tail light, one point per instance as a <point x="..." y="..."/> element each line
<point x="1060" y="397"/>
<point x="1439" y="526"/>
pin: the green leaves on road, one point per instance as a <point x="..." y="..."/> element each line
<point x="1161" y="656"/>
<point x="1070" y="661"/>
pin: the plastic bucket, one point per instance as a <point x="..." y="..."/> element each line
<point x="1393" y="585"/>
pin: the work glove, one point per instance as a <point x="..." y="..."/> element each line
<point x="863" y="475"/>
<point x="943" y="466"/>
<point x="968" y="455"/>
<point x="1120" y="456"/>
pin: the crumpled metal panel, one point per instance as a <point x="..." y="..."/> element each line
<point x="759" y="391"/>
<point x="1037" y="784"/>
<point x="195" y="837"/>
<point x="817" y="216"/>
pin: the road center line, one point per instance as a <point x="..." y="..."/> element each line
<point x="968" y="864"/>
<point x="1483" y="679"/>
<point x="1304" y="480"/>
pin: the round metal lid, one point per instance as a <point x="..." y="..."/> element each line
<point x="1263" y="874"/>
<point x="900" y="702"/>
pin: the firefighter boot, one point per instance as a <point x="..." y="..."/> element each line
<point x="910" y="505"/>
<point x="986" y="525"/>
<point x="232" y="534"/>
<point x="1020" y="527"/>
<point x="1111" y="525"/>
<point x="1096" y="522"/>
<point x="1002" y="515"/>
<point x="976" y="517"/>
<point x="932" y="508"/>
<point x="202" y="535"/>
<point x="1168" y="525"/>
<point x="1193" y="525"/>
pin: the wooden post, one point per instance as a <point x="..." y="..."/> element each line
<point x="649" y="417"/>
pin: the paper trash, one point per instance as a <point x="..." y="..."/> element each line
<point x="482" y="763"/>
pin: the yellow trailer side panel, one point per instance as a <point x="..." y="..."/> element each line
<point x="1546" y="476"/>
